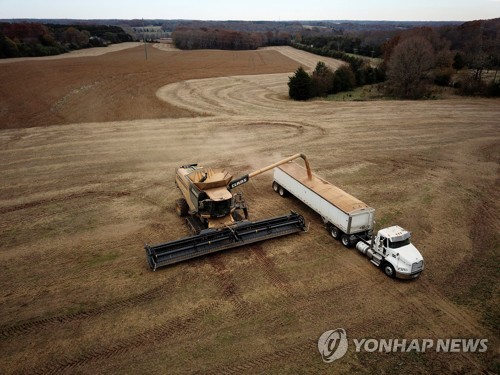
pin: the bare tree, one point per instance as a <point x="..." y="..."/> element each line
<point x="410" y="62"/>
<point x="76" y="37"/>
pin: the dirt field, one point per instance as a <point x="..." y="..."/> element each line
<point x="88" y="151"/>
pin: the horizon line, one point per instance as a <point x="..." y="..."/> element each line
<point x="235" y="20"/>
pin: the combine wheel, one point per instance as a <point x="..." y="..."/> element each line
<point x="282" y="192"/>
<point x="237" y="216"/>
<point x="181" y="207"/>
<point x="275" y="186"/>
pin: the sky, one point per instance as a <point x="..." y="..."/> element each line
<point x="251" y="10"/>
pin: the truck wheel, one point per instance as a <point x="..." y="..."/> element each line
<point x="345" y="240"/>
<point x="181" y="207"/>
<point x="389" y="270"/>
<point x="335" y="232"/>
<point x="282" y="192"/>
<point x="275" y="186"/>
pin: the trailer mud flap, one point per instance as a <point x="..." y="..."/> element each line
<point x="243" y="233"/>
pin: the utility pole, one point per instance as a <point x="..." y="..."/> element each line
<point x="144" y="39"/>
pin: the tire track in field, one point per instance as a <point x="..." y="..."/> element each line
<point x="306" y="305"/>
<point x="268" y="266"/>
<point x="242" y="95"/>
<point x="82" y="270"/>
<point x="84" y="194"/>
<point x="226" y="97"/>
<point x="356" y="329"/>
<point x="433" y="302"/>
<point x="34" y="326"/>
<point x="225" y="283"/>
<point x="186" y="324"/>
<point x="183" y="324"/>
<point x="37" y="325"/>
<point x="230" y="293"/>
<point x="259" y="363"/>
<point x="265" y="360"/>
<point x="425" y="309"/>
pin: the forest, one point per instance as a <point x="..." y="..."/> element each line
<point x="29" y="39"/>
<point x="465" y="57"/>
<point x="208" y="38"/>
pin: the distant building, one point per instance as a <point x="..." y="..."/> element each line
<point x="153" y="33"/>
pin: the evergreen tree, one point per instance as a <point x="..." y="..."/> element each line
<point x="7" y="47"/>
<point x="322" y="79"/>
<point x="300" y="85"/>
<point x="344" y="79"/>
<point x="458" y="61"/>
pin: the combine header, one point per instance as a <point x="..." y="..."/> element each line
<point x="243" y="233"/>
<point x="214" y="214"/>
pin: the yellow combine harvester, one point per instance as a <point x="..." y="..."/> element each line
<point x="214" y="214"/>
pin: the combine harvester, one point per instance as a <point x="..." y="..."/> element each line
<point x="213" y="213"/>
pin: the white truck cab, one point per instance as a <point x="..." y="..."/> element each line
<point x="392" y="251"/>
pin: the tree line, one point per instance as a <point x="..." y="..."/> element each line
<point x="213" y="38"/>
<point x="364" y="73"/>
<point x="366" y="44"/>
<point x="415" y="60"/>
<point x="37" y="39"/>
<point x="418" y="58"/>
<point x="324" y="81"/>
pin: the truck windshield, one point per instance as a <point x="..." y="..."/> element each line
<point x="397" y="244"/>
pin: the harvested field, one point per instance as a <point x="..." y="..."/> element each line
<point x="88" y="52"/>
<point x="115" y="86"/>
<point x="88" y="151"/>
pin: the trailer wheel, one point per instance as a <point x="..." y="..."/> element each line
<point x="181" y="207"/>
<point x="275" y="186"/>
<point x="335" y="232"/>
<point x="389" y="270"/>
<point x="282" y="192"/>
<point x="346" y="240"/>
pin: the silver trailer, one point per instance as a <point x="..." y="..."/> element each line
<point x="346" y="217"/>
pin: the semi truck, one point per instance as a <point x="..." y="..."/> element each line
<point x="351" y="221"/>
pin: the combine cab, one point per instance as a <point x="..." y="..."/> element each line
<point x="207" y="202"/>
